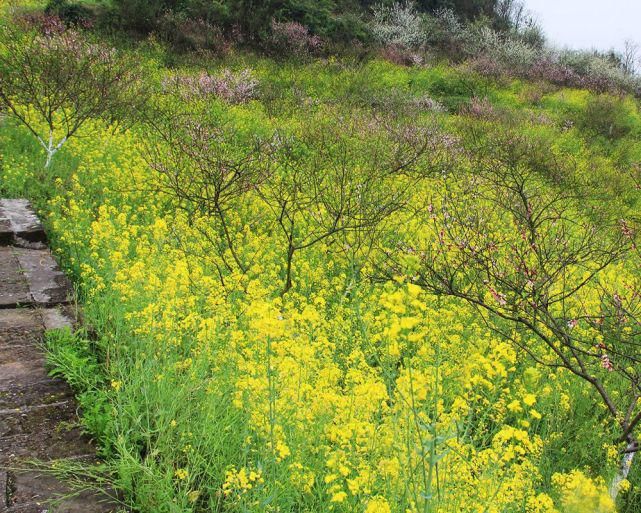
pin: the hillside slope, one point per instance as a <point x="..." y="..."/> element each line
<point x="307" y="286"/>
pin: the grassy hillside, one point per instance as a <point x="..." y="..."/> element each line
<point x="213" y="383"/>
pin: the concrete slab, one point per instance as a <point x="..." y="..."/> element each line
<point x="6" y="234"/>
<point x="20" y="318"/>
<point x="45" y="418"/>
<point x="20" y="327"/>
<point x="46" y="391"/>
<point x="47" y="284"/>
<point x="19" y="221"/>
<point x="59" y="317"/>
<point x="20" y="450"/>
<point x="14" y="289"/>
<point x="26" y="366"/>
<point x="35" y="489"/>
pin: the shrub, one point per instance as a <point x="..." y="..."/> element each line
<point x="521" y="52"/>
<point x="596" y="72"/>
<point x="142" y="15"/>
<point x="44" y="24"/>
<point x="480" y="41"/>
<point x="508" y="52"/>
<point x="445" y="31"/>
<point x="70" y="13"/>
<point x="485" y="66"/>
<point x="605" y="116"/>
<point x="348" y="30"/>
<point x="480" y="108"/>
<point x="491" y="53"/>
<point x="427" y="103"/>
<point x="517" y="54"/>
<point x="546" y="68"/>
<point x="235" y="88"/>
<point x="401" y="56"/>
<point x="534" y="93"/>
<point x="465" y="9"/>
<point x="292" y="38"/>
<point x="399" y="25"/>
<point x="531" y="35"/>
<point x="192" y="34"/>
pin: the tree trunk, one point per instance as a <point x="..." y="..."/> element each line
<point x="288" y="276"/>
<point x="50" y="148"/>
<point x="624" y="469"/>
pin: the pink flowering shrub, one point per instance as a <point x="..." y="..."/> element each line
<point x="232" y="87"/>
<point x="496" y="54"/>
<point x="427" y="103"/>
<point x="480" y="108"/>
<point x="486" y="66"/>
<point x="46" y="24"/>
<point x="549" y="70"/>
<point x="401" y="56"/>
<point x="292" y="38"/>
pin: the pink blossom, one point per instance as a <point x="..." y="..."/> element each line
<point x="606" y="363"/>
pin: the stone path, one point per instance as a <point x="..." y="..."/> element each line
<point x="38" y="417"/>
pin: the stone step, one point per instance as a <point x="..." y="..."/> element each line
<point x="58" y="317"/>
<point x="48" y="285"/>
<point x="18" y="322"/>
<point x="20" y="327"/>
<point x="14" y="289"/>
<point x="23" y="371"/>
<point x="47" y="417"/>
<point x="21" y="359"/>
<point x="23" y="365"/>
<point x="30" y="492"/>
<point x="31" y="277"/>
<point x="43" y="391"/>
<point x="19" y="318"/>
<point x="19" y="225"/>
<point x="48" y="445"/>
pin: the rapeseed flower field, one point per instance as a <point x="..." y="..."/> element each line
<point x="213" y="384"/>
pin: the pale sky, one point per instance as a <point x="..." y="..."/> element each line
<point x="601" y="24"/>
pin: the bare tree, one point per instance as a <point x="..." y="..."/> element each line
<point x="511" y="13"/>
<point x="327" y="188"/>
<point x="324" y="187"/>
<point x="532" y="256"/>
<point x="198" y="164"/>
<point x="54" y="82"/>
<point x="630" y="58"/>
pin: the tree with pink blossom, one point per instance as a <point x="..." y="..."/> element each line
<point x="53" y="80"/>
